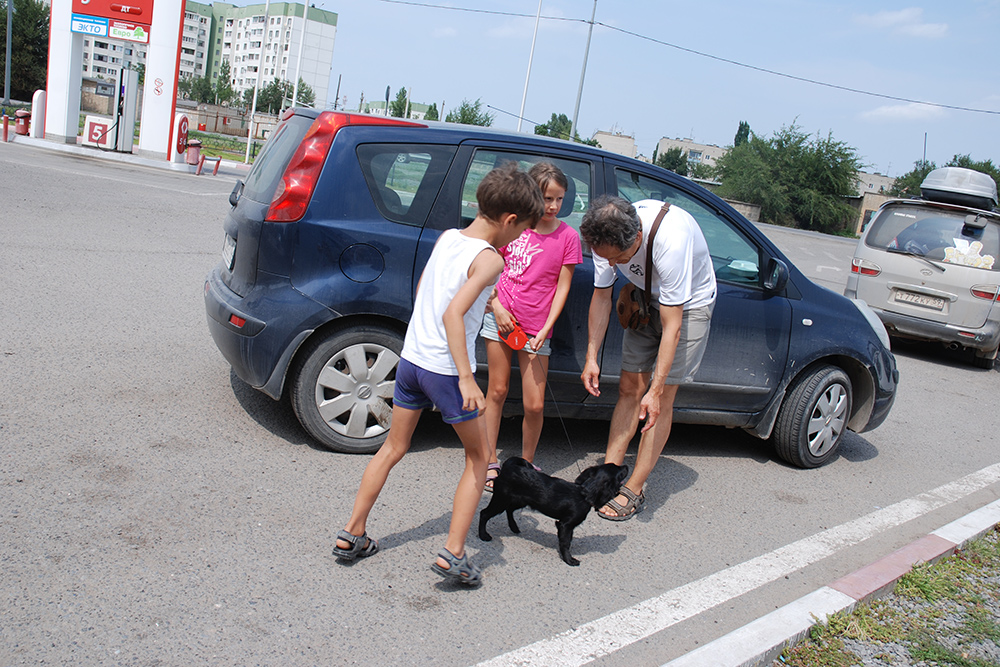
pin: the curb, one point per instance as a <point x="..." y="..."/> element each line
<point x="761" y="641"/>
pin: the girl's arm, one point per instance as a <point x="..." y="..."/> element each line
<point x="558" y="302"/>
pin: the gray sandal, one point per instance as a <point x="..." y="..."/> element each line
<point x="459" y="569"/>
<point x="632" y="506"/>
<point x="489" y="480"/>
<point x="362" y="546"/>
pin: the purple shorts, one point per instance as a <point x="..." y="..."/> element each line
<point x="417" y="389"/>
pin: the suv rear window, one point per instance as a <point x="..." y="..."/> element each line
<point x="404" y="179"/>
<point x="270" y="165"/>
<point x="935" y="234"/>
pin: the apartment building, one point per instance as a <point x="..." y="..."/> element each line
<point x="706" y="154"/>
<point x="289" y="38"/>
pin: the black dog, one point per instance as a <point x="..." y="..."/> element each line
<point x="520" y="485"/>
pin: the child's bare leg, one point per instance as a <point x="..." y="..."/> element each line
<point x="498" y="355"/>
<point x="472" y="433"/>
<point x="534" y="371"/>
<point x="404" y="422"/>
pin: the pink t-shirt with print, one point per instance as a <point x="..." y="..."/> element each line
<point x="532" y="263"/>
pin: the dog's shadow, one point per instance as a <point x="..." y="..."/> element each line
<point x="541" y="531"/>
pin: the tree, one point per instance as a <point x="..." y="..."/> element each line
<point x="908" y="185"/>
<point x="795" y="179"/>
<point x="397" y="107"/>
<point x="675" y="160"/>
<point x="305" y="96"/>
<point x="202" y="90"/>
<point x="742" y="134"/>
<point x="559" y="127"/>
<point x="141" y="69"/>
<point x="700" y="170"/>
<point x="469" y="113"/>
<point x="224" y="84"/>
<point x="432" y="112"/>
<point x="29" y="47"/>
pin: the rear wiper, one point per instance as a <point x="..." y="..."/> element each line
<point x="899" y="251"/>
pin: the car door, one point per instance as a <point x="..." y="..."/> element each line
<point x="748" y="342"/>
<point x="458" y="203"/>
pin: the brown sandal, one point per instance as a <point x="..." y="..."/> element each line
<point x="632" y="506"/>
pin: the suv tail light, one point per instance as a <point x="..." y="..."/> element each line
<point x="292" y="196"/>
<point x="864" y="267"/>
<point x="988" y="292"/>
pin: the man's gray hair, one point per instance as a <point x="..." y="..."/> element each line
<point x="610" y="221"/>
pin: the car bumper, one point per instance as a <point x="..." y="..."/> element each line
<point x="258" y="333"/>
<point x="984" y="339"/>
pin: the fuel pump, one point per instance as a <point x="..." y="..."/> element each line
<point x="126" y="97"/>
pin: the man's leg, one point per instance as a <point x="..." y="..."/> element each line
<point x="653" y="441"/>
<point x="625" y="418"/>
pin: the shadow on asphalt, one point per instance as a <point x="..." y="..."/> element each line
<point x="937" y="354"/>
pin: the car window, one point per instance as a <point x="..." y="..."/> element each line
<point x="404" y="178"/>
<point x="578" y="174"/>
<point x="269" y="166"/>
<point x="736" y="258"/>
<point x="935" y="234"/>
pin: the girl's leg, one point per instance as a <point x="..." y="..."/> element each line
<point x="472" y="433"/>
<point x="404" y="422"/>
<point x="534" y="371"/>
<point x="498" y="355"/>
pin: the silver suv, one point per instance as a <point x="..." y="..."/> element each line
<point x="928" y="267"/>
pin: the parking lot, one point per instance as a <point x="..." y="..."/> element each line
<point x="159" y="511"/>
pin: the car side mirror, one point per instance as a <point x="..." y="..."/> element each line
<point x="777" y="276"/>
<point x="234" y="196"/>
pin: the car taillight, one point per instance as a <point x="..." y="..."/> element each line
<point x="988" y="292"/>
<point x="292" y="196"/>
<point x="864" y="267"/>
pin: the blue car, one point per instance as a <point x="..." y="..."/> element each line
<point x="328" y="235"/>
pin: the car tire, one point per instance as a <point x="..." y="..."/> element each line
<point x="813" y="418"/>
<point x="342" y="387"/>
<point x="986" y="361"/>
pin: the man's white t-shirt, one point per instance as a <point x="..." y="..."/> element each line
<point x="682" y="265"/>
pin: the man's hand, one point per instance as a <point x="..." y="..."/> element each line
<point x="591" y="377"/>
<point x="649" y="407"/>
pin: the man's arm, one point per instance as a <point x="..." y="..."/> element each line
<point x="597" y="327"/>
<point x="670" y="319"/>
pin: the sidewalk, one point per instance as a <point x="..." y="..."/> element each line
<point x="226" y="168"/>
<point x="760" y="642"/>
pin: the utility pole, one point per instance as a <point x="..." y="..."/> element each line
<point x="583" y="74"/>
<point x="298" y="62"/>
<point x="531" y="56"/>
<point x="6" y="74"/>
<point x="256" y="85"/>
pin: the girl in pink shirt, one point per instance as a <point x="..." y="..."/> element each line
<point x="531" y="292"/>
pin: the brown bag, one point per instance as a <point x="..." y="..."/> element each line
<point x="633" y="305"/>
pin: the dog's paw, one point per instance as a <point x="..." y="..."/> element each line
<point x="485" y="537"/>
<point x="571" y="561"/>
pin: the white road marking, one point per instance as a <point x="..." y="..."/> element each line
<point x="820" y="268"/>
<point x="606" y="635"/>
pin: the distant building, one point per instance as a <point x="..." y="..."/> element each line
<point x="243" y="36"/>
<point x="616" y="142"/>
<point x="874" y="183"/>
<point x="707" y="154"/>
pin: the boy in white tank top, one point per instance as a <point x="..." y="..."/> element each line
<point x="438" y="363"/>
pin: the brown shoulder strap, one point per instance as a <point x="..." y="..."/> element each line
<point x="649" y="252"/>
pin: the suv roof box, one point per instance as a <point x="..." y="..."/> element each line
<point x="964" y="187"/>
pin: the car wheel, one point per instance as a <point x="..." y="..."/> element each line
<point x="986" y="361"/>
<point x="342" y="388"/>
<point x="813" y="418"/>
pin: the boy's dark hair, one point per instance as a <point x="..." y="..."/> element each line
<point x="507" y="189"/>
<point x="545" y="173"/>
<point x="610" y="221"/>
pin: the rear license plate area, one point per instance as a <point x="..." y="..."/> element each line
<point x="923" y="300"/>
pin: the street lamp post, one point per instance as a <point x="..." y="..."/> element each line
<point x="256" y="85"/>
<point x="10" y="27"/>
<point x="583" y="74"/>
<point x="531" y="56"/>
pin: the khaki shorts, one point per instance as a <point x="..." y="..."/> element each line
<point x="640" y="346"/>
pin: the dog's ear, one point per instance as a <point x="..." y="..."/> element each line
<point x="600" y="484"/>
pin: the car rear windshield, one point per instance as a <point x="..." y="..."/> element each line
<point x="269" y="165"/>
<point x="936" y="234"/>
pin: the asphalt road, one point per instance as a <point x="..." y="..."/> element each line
<point x="157" y="511"/>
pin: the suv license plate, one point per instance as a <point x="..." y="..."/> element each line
<point x="921" y="300"/>
<point x="229" y="251"/>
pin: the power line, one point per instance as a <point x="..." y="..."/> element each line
<point x="702" y="54"/>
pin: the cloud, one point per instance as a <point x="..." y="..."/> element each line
<point x="903" y="112"/>
<point x="905" y="22"/>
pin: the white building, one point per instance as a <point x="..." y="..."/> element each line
<point x="616" y="142"/>
<point x="707" y="154"/>
<point x="274" y="46"/>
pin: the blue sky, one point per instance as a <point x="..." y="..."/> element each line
<point x="640" y="85"/>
